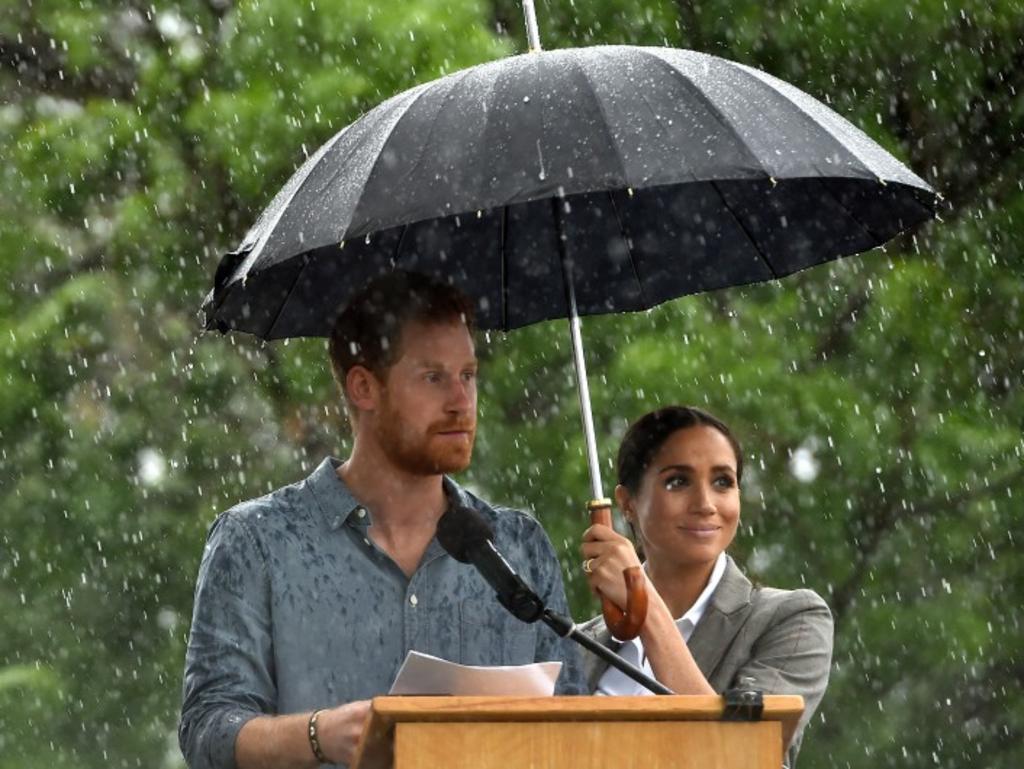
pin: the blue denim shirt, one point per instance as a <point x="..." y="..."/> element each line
<point x="296" y="609"/>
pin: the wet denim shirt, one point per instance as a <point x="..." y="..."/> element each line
<point x="297" y="609"/>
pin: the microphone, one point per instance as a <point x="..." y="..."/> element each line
<point x="467" y="537"/>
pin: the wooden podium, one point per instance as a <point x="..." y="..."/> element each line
<point x="677" y="732"/>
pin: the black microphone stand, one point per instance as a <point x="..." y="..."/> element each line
<point x="566" y="628"/>
<point x="527" y="606"/>
<point x="468" y="539"/>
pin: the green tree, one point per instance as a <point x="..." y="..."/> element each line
<point x="878" y="398"/>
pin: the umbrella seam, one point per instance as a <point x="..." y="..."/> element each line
<point x="711" y="107"/>
<point x="757" y="249"/>
<point x="629" y="249"/>
<point x="604" y="120"/>
<point x="456" y="82"/>
<point x="561" y="247"/>
<point x="261" y="242"/>
<point x="756" y="76"/>
<point x="412" y="103"/>
<point x="819" y="127"/>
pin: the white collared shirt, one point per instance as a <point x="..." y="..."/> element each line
<point x="614" y="682"/>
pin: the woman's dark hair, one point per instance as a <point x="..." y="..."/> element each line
<point x="646" y="435"/>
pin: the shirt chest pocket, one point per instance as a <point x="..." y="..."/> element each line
<point x="492" y="636"/>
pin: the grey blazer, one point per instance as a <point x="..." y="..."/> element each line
<point x="778" y="641"/>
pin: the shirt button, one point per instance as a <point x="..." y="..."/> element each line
<point x="366" y="541"/>
<point x="413" y="599"/>
<point x="360" y="512"/>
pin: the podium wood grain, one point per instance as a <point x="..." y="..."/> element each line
<point x="591" y="744"/>
<point x="683" y="732"/>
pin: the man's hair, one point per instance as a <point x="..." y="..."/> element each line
<point x="368" y="331"/>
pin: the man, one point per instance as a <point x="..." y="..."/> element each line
<point x="309" y="598"/>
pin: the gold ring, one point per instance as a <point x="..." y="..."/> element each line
<point x="587" y="568"/>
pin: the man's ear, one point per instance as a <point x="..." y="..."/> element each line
<point x="362" y="388"/>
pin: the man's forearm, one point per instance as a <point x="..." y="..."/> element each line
<point x="282" y="742"/>
<point x="275" y="742"/>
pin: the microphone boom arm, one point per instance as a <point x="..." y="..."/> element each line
<point x="566" y="628"/>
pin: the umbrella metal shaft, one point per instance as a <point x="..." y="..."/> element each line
<point x="577" y="356"/>
<point x="532" y="35"/>
<point x="585" y="410"/>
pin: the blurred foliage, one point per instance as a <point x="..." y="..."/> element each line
<point x="878" y="398"/>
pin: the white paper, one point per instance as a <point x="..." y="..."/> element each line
<point x="425" y="674"/>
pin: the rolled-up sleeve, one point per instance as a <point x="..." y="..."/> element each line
<point x="229" y="677"/>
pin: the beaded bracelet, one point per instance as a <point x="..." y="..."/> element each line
<point x="314" y="739"/>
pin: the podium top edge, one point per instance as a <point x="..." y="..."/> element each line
<point x="777" y="707"/>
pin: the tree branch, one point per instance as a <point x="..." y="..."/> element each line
<point x="37" y="66"/>
<point x="690" y="33"/>
<point x="843" y="595"/>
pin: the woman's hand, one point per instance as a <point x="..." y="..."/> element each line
<point x="609" y="554"/>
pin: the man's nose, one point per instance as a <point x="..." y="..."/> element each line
<point x="461" y="395"/>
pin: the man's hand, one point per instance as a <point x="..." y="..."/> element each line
<point x="339" y="730"/>
<point x="282" y="742"/>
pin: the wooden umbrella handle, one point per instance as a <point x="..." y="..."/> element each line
<point x="624" y="625"/>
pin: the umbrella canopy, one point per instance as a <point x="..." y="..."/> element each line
<point x="651" y="172"/>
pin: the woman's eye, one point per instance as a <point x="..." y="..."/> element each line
<point x="675" y="482"/>
<point x="724" y="482"/>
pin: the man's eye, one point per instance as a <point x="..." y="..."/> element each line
<point x="433" y="377"/>
<point x="468" y="376"/>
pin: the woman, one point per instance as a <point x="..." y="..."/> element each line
<point x="707" y="629"/>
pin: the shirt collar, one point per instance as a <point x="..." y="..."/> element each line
<point x="333" y="497"/>
<point x="338" y="504"/>
<point x="695" y="612"/>
<point x="689" y="620"/>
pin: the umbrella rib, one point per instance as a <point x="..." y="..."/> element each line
<point x="280" y="310"/>
<point x="739" y="222"/>
<point x="398" y="247"/>
<point x="629" y="249"/>
<point x="856" y="219"/>
<point x="504" y="268"/>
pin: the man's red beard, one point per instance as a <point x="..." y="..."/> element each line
<point x="426" y="454"/>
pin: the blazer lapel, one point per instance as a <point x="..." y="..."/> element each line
<point x="594" y="666"/>
<point x="723" y="618"/>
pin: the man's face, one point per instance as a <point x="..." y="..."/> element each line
<point x="426" y="421"/>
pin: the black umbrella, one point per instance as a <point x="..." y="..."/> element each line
<point x="568" y="183"/>
<point x="613" y="177"/>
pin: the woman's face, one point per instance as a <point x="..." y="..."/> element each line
<point x="688" y="505"/>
